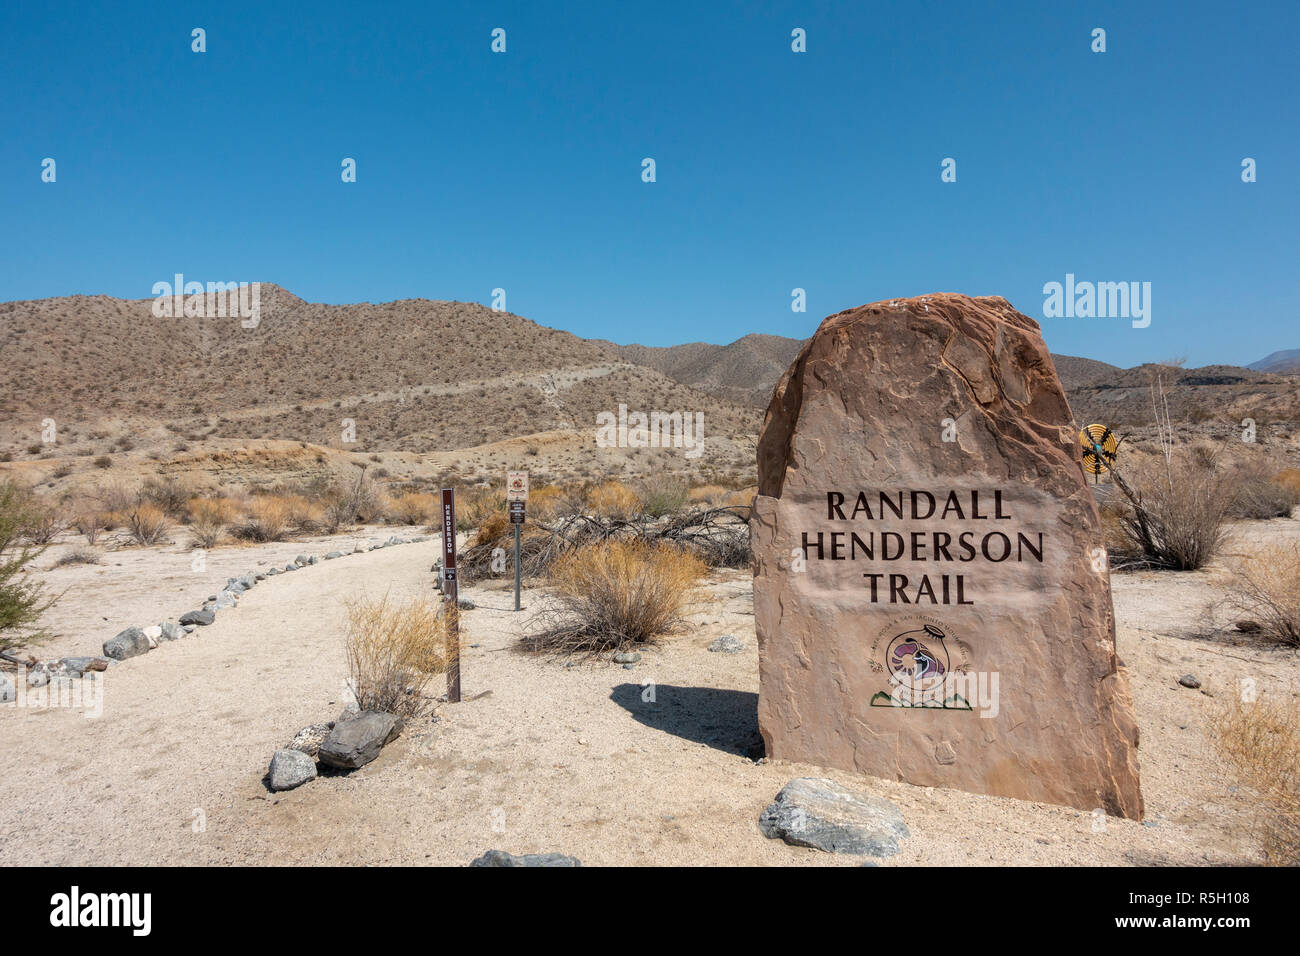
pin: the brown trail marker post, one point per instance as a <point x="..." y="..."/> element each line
<point x="927" y="597"/>
<point x="516" y="496"/>
<point x="451" y="593"/>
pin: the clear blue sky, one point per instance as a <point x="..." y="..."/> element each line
<point x="775" y="170"/>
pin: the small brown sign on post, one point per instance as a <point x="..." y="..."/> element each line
<point x="451" y="593"/>
<point x="516" y="512"/>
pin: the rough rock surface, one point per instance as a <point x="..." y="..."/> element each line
<point x="309" y="739"/>
<point x="354" y="743"/>
<point x="129" y="643"/>
<point x="727" y="644"/>
<point x="198" y="617"/>
<point x="502" y="858"/>
<point x="815" y="812"/>
<point x="965" y="637"/>
<point x="289" y="769"/>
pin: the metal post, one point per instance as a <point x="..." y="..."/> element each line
<point x="518" y="570"/>
<point x="451" y="593"/>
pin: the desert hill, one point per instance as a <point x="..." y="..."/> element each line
<point x="421" y="379"/>
<point x="1286" y="361"/>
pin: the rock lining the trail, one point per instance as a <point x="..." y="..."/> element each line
<point x="819" y="813"/>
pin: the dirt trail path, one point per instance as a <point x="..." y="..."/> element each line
<point x="578" y="759"/>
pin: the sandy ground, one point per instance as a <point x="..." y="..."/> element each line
<point x="555" y="757"/>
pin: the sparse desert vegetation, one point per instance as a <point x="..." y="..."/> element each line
<point x="1261" y="741"/>
<point x="394" y="648"/>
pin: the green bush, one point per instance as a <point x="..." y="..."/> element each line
<point x="22" y="599"/>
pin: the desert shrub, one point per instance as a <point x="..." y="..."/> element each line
<point x="348" y="503"/>
<point x="616" y="593"/>
<point x="89" y="520"/>
<point x="145" y="523"/>
<point x="103" y="461"/>
<point x="1258" y="493"/>
<point x="1289" y="478"/>
<point x="79" y="556"/>
<point x="209" y="518"/>
<point x="414" y="507"/>
<point x="305" y="516"/>
<point x="393" y="650"/>
<point x="708" y="494"/>
<point x="1180" y="522"/>
<point x="44" y="521"/>
<point x="494" y="528"/>
<point x="267" y="520"/>
<point x="1267" y="590"/>
<point x="171" y="495"/>
<point x="545" y="502"/>
<point x="22" y="599"/>
<point x="613" y="499"/>
<point x="663" y="495"/>
<point x="1261" y="741"/>
<point x="476" y="505"/>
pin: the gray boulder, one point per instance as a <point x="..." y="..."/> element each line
<point x="333" y="554"/>
<point x="309" y="739"/>
<point x="626" y="657"/>
<point x="502" y="858"/>
<point x="235" y="586"/>
<point x="247" y="580"/>
<point x="313" y="560"/>
<point x="272" y="572"/>
<point x="224" y="600"/>
<point x="76" y="666"/>
<point x="130" y="643"/>
<point x="354" y="743"/>
<point x="171" y="631"/>
<point x="37" y="677"/>
<point x="301" y="560"/>
<point x="8" y="691"/>
<point x="291" y="567"/>
<point x="727" y="644"/>
<point x="198" y="617"/>
<point x="289" y="769"/>
<point x="1189" y="681"/>
<point x="819" y="813"/>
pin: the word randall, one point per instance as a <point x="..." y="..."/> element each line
<point x="191" y="299"/>
<point x="1102" y="300"/>
<point x="655" y="430"/>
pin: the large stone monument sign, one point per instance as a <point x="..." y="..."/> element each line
<point x="931" y="593"/>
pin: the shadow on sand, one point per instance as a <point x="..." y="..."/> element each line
<point x="726" y="720"/>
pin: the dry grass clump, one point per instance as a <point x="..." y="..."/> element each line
<point x="545" y="502"/>
<point x="613" y="499"/>
<point x="393" y="650"/>
<point x="616" y="593"/>
<point x="1261" y="495"/>
<point x="79" y="556"/>
<point x="209" y="518"/>
<point x="414" y="507"/>
<point x="268" y="519"/>
<point x="145" y="523"/>
<point x="1289" y="478"/>
<point x="1262" y="742"/>
<point x="708" y="494"/>
<point x="1184" y="507"/>
<point x="474" y="506"/>
<point x="1267" y="590"/>
<point x="663" y="495"/>
<point x="304" y="515"/>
